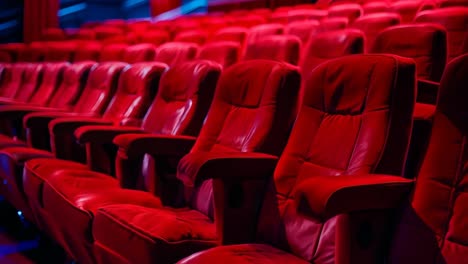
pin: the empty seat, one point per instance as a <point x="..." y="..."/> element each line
<point x="303" y="29"/>
<point x="333" y="23"/>
<point x="193" y="36"/>
<point x="155" y="37"/>
<point x="173" y="53"/>
<point x="180" y="107"/>
<point x="12" y="78"/>
<point x="306" y="14"/>
<point x="53" y="34"/>
<point x="13" y="49"/>
<point x="260" y="31"/>
<point x="283" y="235"/>
<point x="375" y="7"/>
<point x="330" y="45"/>
<point x="140" y="53"/>
<point x="373" y="24"/>
<point x="248" y="21"/>
<point x="408" y="9"/>
<point x="31" y="80"/>
<point x="284" y="48"/>
<point x="113" y="52"/>
<point x="455" y="21"/>
<point x="87" y="51"/>
<point x="60" y="51"/>
<point x="106" y="32"/>
<point x="84" y="34"/>
<point x="431" y="227"/>
<point x="225" y="53"/>
<point x="237" y="34"/>
<point x="350" y="11"/>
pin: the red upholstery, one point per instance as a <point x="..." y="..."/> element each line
<point x="105" y="32"/>
<point x="375" y="7"/>
<point x="333" y="23"/>
<point x="303" y="29"/>
<point x="350" y="11"/>
<point x="113" y="52"/>
<point x="140" y="53"/>
<point x="280" y="48"/>
<point x="259" y="32"/>
<point x="408" y="9"/>
<point x="306" y="14"/>
<point x="192" y="36"/>
<point x="179" y="108"/>
<point x="60" y="51"/>
<point x="51" y="81"/>
<point x="249" y="21"/>
<point x="11" y="79"/>
<point x="155" y="37"/>
<point x="373" y="24"/>
<point x="455" y="21"/>
<point x="84" y="34"/>
<point x="338" y="97"/>
<point x="32" y="78"/>
<point x="225" y="53"/>
<point x="173" y="53"/>
<point x="53" y="34"/>
<point x="263" y="94"/>
<point x="432" y="226"/>
<point x="87" y="51"/>
<point x="451" y="3"/>
<point x="237" y="34"/>
<point x="5" y="57"/>
<point x="329" y="45"/>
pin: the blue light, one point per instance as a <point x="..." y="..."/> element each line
<point x="71" y="9"/>
<point x="183" y="9"/>
<point x="20" y="214"/>
<point x="130" y="3"/>
<point x="8" y="25"/>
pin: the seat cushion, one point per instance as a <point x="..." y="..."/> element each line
<point x="244" y="253"/>
<point x="151" y="235"/>
<point x="423" y="111"/>
<point x="6" y="141"/>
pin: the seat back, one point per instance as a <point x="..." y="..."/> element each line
<point x="53" y="34"/>
<point x="306" y="14"/>
<point x="155" y="37"/>
<point x="113" y="52"/>
<point x="225" y="53"/>
<point x="375" y="7"/>
<point x="253" y="110"/>
<point x="237" y="34"/>
<point x="373" y="24"/>
<point x="432" y="228"/>
<point x="11" y="79"/>
<point x="173" y="53"/>
<point x="60" y="51"/>
<point x="74" y="80"/>
<point x="455" y="21"/>
<point x="425" y="43"/>
<point x="280" y="48"/>
<point x="5" y="57"/>
<point x="330" y="45"/>
<point x="140" y="53"/>
<point x="32" y="78"/>
<point x="136" y="89"/>
<point x="100" y="87"/>
<point x="87" y="51"/>
<point x="192" y="36"/>
<point x="259" y="32"/>
<point x="333" y="23"/>
<point x="373" y="103"/>
<point x="304" y="30"/>
<point x="351" y="11"/>
<point x="407" y="9"/>
<point x="51" y="80"/>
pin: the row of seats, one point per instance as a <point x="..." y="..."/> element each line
<point x="183" y="184"/>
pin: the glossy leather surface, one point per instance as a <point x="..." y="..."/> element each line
<point x="259" y="32"/>
<point x="32" y="78"/>
<point x="12" y="78"/>
<point x="279" y="48"/>
<point x="303" y="29"/>
<point x="330" y="45"/>
<point x="237" y="34"/>
<point x="51" y="80"/>
<point x="192" y="36"/>
<point x="432" y="229"/>
<point x="87" y="51"/>
<point x="113" y="52"/>
<point x="373" y="24"/>
<point x="455" y="21"/>
<point x="333" y="23"/>
<point x="140" y="53"/>
<point x="350" y="11"/>
<point x="225" y="53"/>
<point x="173" y="53"/>
<point x="407" y="9"/>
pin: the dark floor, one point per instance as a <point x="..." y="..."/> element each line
<point x="21" y="243"/>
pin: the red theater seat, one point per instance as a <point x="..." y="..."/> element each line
<point x="248" y="21"/>
<point x="87" y="51"/>
<point x="84" y="34"/>
<point x="155" y="37"/>
<point x="237" y="34"/>
<point x="254" y="98"/>
<point x="351" y="11"/>
<point x="375" y="7"/>
<point x="373" y="24"/>
<point x="173" y="53"/>
<point x="193" y="36"/>
<point x="53" y="34"/>
<point x="284" y="48"/>
<point x="31" y="79"/>
<point x="11" y="79"/>
<point x="303" y="29"/>
<point x="261" y="31"/>
<point x="113" y="52"/>
<point x="140" y="53"/>
<point x="452" y="3"/>
<point x="409" y="9"/>
<point x="179" y="109"/>
<point x="225" y="53"/>
<point x="333" y="23"/>
<point x="432" y="226"/>
<point x="106" y="32"/>
<point x="330" y="45"/>
<point x="338" y="97"/>
<point x="60" y="51"/>
<point x="455" y="21"/>
<point x="306" y="14"/>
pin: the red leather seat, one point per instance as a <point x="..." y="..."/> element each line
<point x="330" y="45"/>
<point x="237" y="34"/>
<point x="225" y="53"/>
<point x="280" y="48"/>
<point x="455" y="21"/>
<point x="60" y="51"/>
<point x="140" y="53"/>
<point x="351" y="11"/>
<point x="192" y="36"/>
<point x="248" y="21"/>
<point x="409" y="9"/>
<point x="14" y="49"/>
<point x="452" y="3"/>
<point x="253" y="110"/>
<point x="373" y="24"/>
<point x="259" y="32"/>
<point x="53" y="34"/>
<point x="173" y="53"/>
<point x="303" y="29"/>
<point x="427" y="45"/>
<point x="11" y="79"/>
<point x="333" y="23"/>
<point x="87" y="51"/>
<point x="5" y="57"/>
<point x="105" y="32"/>
<point x="113" y="52"/>
<point x="84" y="34"/>
<point x="306" y="14"/>
<point x="338" y="97"/>
<point x="155" y="37"/>
<point x="375" y="7"/>
<point x="31" y="79"/>
<point x="432" y="226"/>
<point x="179" y="109"/>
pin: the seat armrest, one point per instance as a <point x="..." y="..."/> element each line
<point x="323" y="197"/>
<point x="140" y="144"/>
<point x="103" y="133"/>
<point x="198" y="166"/>
<point x="43" y="118"/>
<point x="19" y="111"/>
<point x="427" y="91"/>
<point x="70" y="124"/>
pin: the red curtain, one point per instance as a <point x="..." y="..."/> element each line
<point x="39" y="15"/>
<point x="161" y="6"/>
